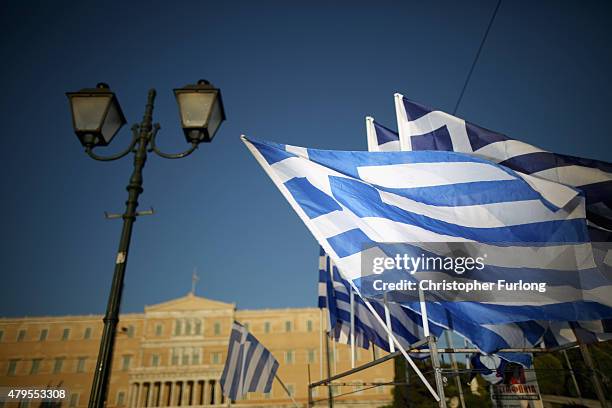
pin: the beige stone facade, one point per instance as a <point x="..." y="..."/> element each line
<point x="173" y="355"/>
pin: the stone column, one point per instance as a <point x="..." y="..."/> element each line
<point x="141" y="395"/>
<point x="205" y="393"/>
<point x="178" y="388"/>
<point x="162" y="387"/>
<point x="184" y="393"/>
<point x="134" y="395"/>
<point x="172" y="392"/>
<point x="217" y="392"/>
<point x="150" y="394"/>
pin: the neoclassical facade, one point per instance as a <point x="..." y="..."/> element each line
<point x="173" y="354"/>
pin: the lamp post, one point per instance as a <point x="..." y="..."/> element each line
<point x="97" y="117"/>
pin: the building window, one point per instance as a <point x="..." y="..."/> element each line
<point x="185" y="358"/>
<point x="158" y="330"/>
<point x="21" y="335"/>
<point x="217" y="328"/>
<point x="175" y="357"/>
<point x="57" y="365"/>
<point x="291" y="389"/>
<point x="287" y="326"/>
<point x="198" y="327"/>
<point x="81" y="365"/>
<point x="289" y="357"/>
<point x="177" y="328"/>
<point x="154" y="360"/>
<point x="12" y="367"/>
<point x="311" y="356"/>
<point x="35" y="366"/>
<point x="268" y="395"/>
<point x="74" y="400"/>
<point x="87" y="333"/>
<point x="195" y="357"/>
<point x="66" y="334"/>
<point x="125" y="363"/>
<point x="130" y="331"/>
<point x="188" y="328"/>
<point x="43" y="335"/>
<point x="216" y="358"/>
<point x="120" y="398"/>
<point x="309" y="325"/>
<point x="266" y="327"/>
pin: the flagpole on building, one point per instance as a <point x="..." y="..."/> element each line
<point x="286" y="390"/>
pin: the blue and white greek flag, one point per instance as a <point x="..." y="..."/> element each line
<point x="561" y="333"/>
<point x="354" y="202"/>
<point x="249" y="366"/>
<point x="381" y="138"/>
<point x="422" y="128"/>
<point x="334" y="295"/>
<point x="407" y="324"/>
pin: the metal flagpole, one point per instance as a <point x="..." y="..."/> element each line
<point x="371" y="135"/>
<point x="397" y="343"/>
<point x="573" y="375"/>
<point x="388" y="322"/>
<point x="329" y="387"/>
<point x="321" y="333"/>
<point x="449" y="343"/>
<point x="588" y="360"/>
<point x="309" y="389"/>
<point x="433" y="351"/>
<point x="352" y="338"/>
<point x="335" y="354"/>
<point x="286" y="390"/>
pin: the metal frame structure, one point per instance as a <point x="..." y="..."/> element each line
<point x="414" y="348"/>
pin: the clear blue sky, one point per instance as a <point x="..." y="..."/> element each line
<point x="303" y="74"/>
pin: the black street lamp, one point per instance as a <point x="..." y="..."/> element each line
<point x="97" y="117"/>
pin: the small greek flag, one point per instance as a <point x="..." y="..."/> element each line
<point x="334" y="295"/>
<point x="381" y="138"/>
<point x="249" y="366"/>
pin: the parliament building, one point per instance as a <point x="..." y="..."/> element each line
<point x="173" y="354"/>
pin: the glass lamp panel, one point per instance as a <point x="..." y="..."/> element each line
<point x="195" y="108"/>
<point x="112" y="123"/>
<point x="216" y="117"/>
<point x="88" y="111"/>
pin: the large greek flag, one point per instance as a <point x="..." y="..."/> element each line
<point x="355" y="201"/>
<point x="421" y="128"/>
<point x="249" y="366"/>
